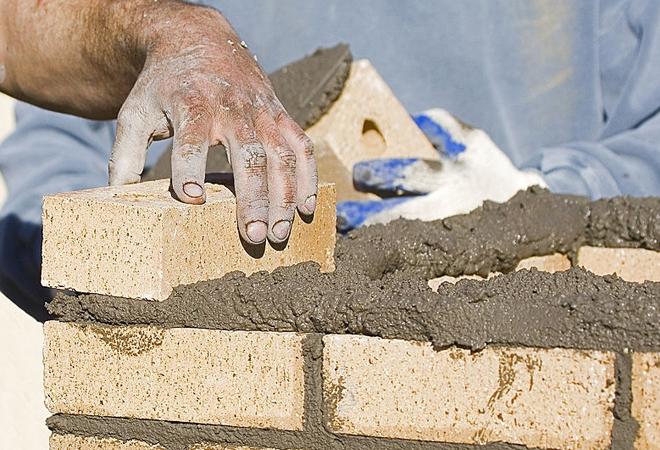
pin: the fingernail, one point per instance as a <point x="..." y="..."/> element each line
<point x="281" y="229"/>
<point x="193" y="190"/>
<point x="256" y="231"/>
<point x="310" y="203"/>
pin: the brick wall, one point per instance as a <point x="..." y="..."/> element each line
<point x="157" y="386"/>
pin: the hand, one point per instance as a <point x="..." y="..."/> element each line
<point x="471" y="169"/>
<point x="202" y="85"/>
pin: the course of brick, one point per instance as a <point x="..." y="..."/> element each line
<point x="138" y="241"/>
<point x="369" y="357"/>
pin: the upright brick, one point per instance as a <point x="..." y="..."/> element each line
<point x="545" y="398"/>
<point x="646" y="399"/>
<point x="247" y="379"/>
<point x="137" y="241"/>
<point x="631" y="264"/>
<point x="366" y="122"/>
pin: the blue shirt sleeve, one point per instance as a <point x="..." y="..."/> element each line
<point x="624" y="158"/>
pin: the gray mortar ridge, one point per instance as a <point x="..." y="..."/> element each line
<point x="380" y="285"/>
<point x="307" y="89"/>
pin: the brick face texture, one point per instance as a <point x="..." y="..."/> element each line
<point x="137" y="241"/>
<point x="540" y="398"/>
<point x="646" y="399"/>
<point x="246" y="379"/>
<point x="631" y="264"/>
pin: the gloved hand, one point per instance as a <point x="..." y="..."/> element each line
<point x="471" y="169"/>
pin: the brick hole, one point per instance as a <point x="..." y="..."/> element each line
<point x="372" y="138"/>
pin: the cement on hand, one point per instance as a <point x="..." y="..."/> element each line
<point x="307" y="89"/>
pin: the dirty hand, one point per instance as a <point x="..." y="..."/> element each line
<point x="471" y="169"/>
<point x="204" y="87"/>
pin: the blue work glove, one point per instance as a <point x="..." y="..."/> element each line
<point x="470" y="169"/>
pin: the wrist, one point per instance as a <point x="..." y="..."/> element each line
<point x="175" y="27"/>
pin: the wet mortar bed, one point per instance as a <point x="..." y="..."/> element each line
<point x="380" y="285"/>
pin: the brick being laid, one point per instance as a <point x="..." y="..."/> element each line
<point x="137" y="241"/>
<point x="244" y="379"/>
<point x="541" y="398"/>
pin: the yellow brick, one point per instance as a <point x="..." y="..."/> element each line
<point x="548" y="263"/>
<point x="646" y="399"/>
<point x="137" y="241"/>
<point x="631" y="264"/>
<point x="554" y="398"/>
<point x="248" y="379"/>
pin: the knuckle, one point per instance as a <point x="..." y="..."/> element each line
<point x="187" y="151"/>
<point x="307" y="145"/>
<point x="286" y="156"/>
<point x="255" y="157"/>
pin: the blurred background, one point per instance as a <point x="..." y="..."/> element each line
<point x="22" y="410"/>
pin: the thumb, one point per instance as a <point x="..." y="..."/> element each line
<point x="129" y="150"/>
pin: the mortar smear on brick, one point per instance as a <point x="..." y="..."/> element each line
<point x="646" y="399"/>
<point x="72" y="442"/>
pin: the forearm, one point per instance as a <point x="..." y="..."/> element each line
<point x="83" y="56"/>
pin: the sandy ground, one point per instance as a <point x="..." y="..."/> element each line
<point x="22" y="410"/>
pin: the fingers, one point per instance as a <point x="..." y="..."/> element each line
<point x="192" y="129"/>
<point x="129" y="150"/>
<point x="306" y="173"/>
<point x="282" y="186"/>
<point x="248" y="159"/>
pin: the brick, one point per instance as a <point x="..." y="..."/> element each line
<point x="631" y="264"/>
<point x="247" y="379"/>
<point x="547" y="398"/>
<point x="435" y="283"/>
<point x="549" y="263"/>
<point x="556" y="262"/>
<point x="72" y="442"/>
<point x="646" y="399"/>
<point x="367" y="121"/>
<point x="137" y="241"/>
